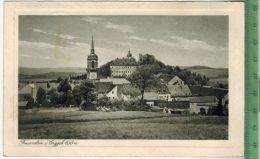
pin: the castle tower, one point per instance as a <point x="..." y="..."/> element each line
<point x="92" y="63"/>
<point x="129" y="55"/>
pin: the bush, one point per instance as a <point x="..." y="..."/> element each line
<point x="41" y="95"/>
<point x="30" y="100"/>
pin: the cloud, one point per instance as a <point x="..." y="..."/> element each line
<point x="133" y="37"/>
<point x="29" y="44"/>
<point x="63" y="36"/>
<point x="34" y="57"/>
<point x="110" y="25"/>
<point x="193" y="44"/>
<point x="187" y="44"/>
<point x="119" y="27"/>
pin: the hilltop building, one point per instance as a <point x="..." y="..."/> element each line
<point x="124" y="66"/>
<point x="92" y="64"/>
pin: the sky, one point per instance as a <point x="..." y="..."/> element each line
<point x="64" y="41"/>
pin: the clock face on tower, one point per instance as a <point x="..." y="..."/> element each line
<point x="93" y="75"/>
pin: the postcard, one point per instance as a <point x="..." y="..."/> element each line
<point x="124" y="79"/>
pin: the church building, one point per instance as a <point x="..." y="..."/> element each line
<point x="92" y="63"/>
<point x="123" y="67"/>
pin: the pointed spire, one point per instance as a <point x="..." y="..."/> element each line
<point x="92" y="46"/>
<point x="92" y="43"/>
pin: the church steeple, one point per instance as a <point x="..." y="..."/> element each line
<point x="92" y="46"/>
<point x="92" y="64"/>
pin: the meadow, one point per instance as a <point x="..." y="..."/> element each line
<point x="71" y="123"/>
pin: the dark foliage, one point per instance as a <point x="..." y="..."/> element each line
<point x="104" y="71"/>
<point x="87" y="95"/>
<point x="41" y="95"/>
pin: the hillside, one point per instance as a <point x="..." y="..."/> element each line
<point x="210" y="72"/>
<point x="216" y="75"/>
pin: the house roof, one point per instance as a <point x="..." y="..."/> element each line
<point x="163" y="89"/>
<point x="174" y="80"/>
<point x="129" y="61"/>
<point x="115" y="81"/>
<point x="128" y="89"/>
<point x="208" y="91"/>
<point x="104" y="87"/>
<point x="203" y="99"/>
<point x="151" y="96"/>
<point x="27" y="89"/>
<point x="179" y="90"/>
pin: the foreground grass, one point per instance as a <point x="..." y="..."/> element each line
<point x="120" y="125"/>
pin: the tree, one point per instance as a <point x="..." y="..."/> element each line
<point x="142" y="78"/>
<point x="41" y="95"/>
<point x="87" y="95"/>
<point x="69" y="100"/>
<point x="59" y="79"/>
<point x="53" y="96"/>
<point x="63" y="89"/>
<point x="103" y="101"/>
<point x="64" y="86"/>
<point x="219" y="110"/>
<point x="104" y="70"/>
<point x="76" y="95"/>
<point x="30" y="100"/>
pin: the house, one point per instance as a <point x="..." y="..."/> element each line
<point x="27" y="90"/>
<point x="150" y="98"/>
<point x="176" y="81"/>
<point x="115" y="81"/>
<point x="175" y="107"/>
<point x="123" y="66"/>
<point x="164" y="93"/>
<point x="122" y="92"/>
<point x="32" y="88"/>
<point x="102" y="88"/>
<point x="203" y="104"/>
<point x="179" y="90"/>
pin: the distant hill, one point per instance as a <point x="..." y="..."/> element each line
<point x="33" y="71"/>
<point x="216" y="75"/>
<point x="210" y="72"/>
<point x="195" y="67"/>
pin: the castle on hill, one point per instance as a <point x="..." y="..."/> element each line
<point x="120" y="67"/>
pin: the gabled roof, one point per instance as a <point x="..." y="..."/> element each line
<point x="28" y="89"/>
<point x="151" y="96"/>
<point x="163" y="89"/>
<point x="115" y="81"/>
<point x="130" y="61"/>
<point x="179" y="90"/>
<point x="203" y="99"/>
<point x="174" y="80"/>
<point x="104" y="87"/>
<point x="128" y="89"/>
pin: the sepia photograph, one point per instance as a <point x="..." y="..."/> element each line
<point x="123" y="77"/>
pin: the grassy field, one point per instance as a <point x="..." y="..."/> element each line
<point x="75" y="124"/>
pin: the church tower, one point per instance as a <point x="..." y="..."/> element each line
<point x="92" y="64"/>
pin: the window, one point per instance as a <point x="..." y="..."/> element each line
<point x="93" y="64"/>
<point x="112" y="92"/>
